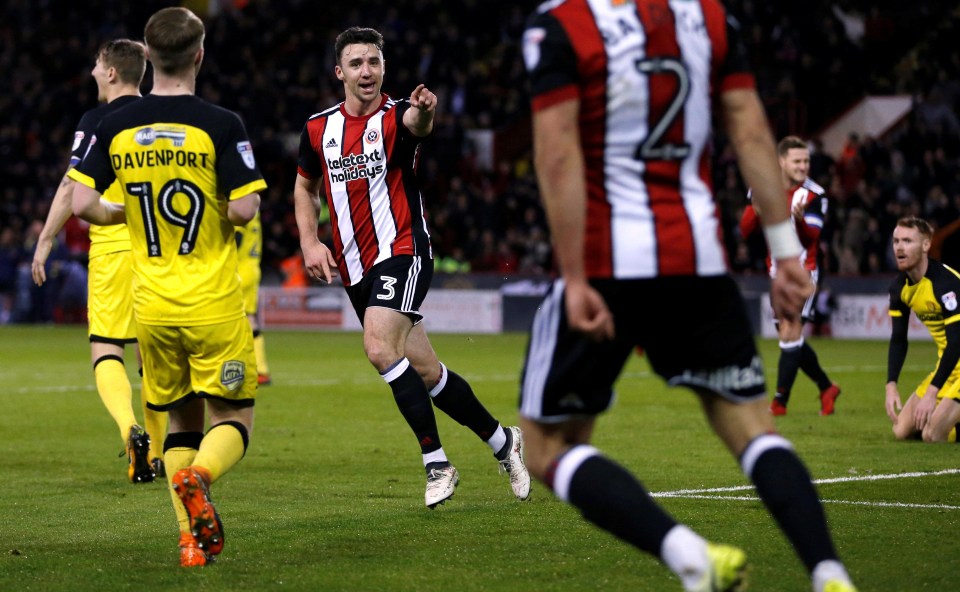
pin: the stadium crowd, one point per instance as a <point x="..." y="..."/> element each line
<point x="272" y="62"/>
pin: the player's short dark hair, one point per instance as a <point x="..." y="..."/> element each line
<point x="127" y="57"/>
<point x="788" y="143"/>
<point x="358" y="35"/>
<point x="920" y="224"/>
<point x="173" y="36"/>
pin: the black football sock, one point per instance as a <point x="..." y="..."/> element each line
<point x="810" y="365"/>
<point x="784" y="485"/>
<point x="414" y="403"/>
<point x="436" y="465"/>
<point x="610" y="497"/>
<point x="787" y="369"/>
<point x="453" y="395"/>
<point x="505" y="449"/>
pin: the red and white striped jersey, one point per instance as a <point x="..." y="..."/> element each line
<point x="645" y="73"/>
<point x="368" y="170"/>
<point x="813" y="199"/>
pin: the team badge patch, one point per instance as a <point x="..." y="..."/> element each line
<point x="246" y="153"/>
<point x="77" y="138"/>
<point x="232" y="374"/>
<point x="372" y="136"/>
<point x="949" y="301"/>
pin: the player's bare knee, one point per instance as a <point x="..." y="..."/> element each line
<point x="933" y="435"/>
<point x="380" y="354"/>
<point x="901" y="433"/>
<point x="430" y="374"/>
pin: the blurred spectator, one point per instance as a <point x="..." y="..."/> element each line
<point x="9" y="258"/>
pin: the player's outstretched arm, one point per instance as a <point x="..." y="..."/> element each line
<point x="419" y="118"/>
<point x="317" y="258"/>
<point x="61" y="208"/>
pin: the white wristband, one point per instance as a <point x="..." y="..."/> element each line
<point x="782" y="240"/>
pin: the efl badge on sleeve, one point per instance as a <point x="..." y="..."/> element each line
<point x="77" y="138"/>
<point x="950" y="301"/>
<point x="246" y="153"/>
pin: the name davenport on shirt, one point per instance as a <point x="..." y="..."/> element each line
<point x="155" y="158"/>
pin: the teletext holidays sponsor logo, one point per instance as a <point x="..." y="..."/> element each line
<point x="355" y="166"/>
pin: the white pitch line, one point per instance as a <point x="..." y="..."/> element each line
<point x="686" y="492"/>
<point x="702" y="493"/>
<point x="891" y="504"/>
<point x="748" y="498"/>
<point x="26" y="390"/>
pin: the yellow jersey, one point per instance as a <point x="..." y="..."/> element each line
<point x="178" y="161"/>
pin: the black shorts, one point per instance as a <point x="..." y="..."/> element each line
<point x="399" y="283"/>
<point x="694" y="331"/>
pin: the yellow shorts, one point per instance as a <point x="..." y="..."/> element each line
<point x="207" y="361"/>
<point x="249" y="270"/>
<point x="110" y="298"/>
<point x="950" y="390"/>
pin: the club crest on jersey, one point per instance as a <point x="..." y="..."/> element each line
<point x="246" y="153"/>
<point x="232" y="374"/>
<point x="949" y="301"/>
<point x="77" y="138"/>
<point x="372" y="136"/>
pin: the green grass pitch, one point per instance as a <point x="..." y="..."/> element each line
<point x="330" y="494"/>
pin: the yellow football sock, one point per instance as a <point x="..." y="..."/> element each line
<point x="115" y="392"/>
<point x="222" y="447"/>
<point x="260" y="350"/>
<point x="952" y="436"/>
<point x="175" y="459"/>
<point x="155" y="422"/>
